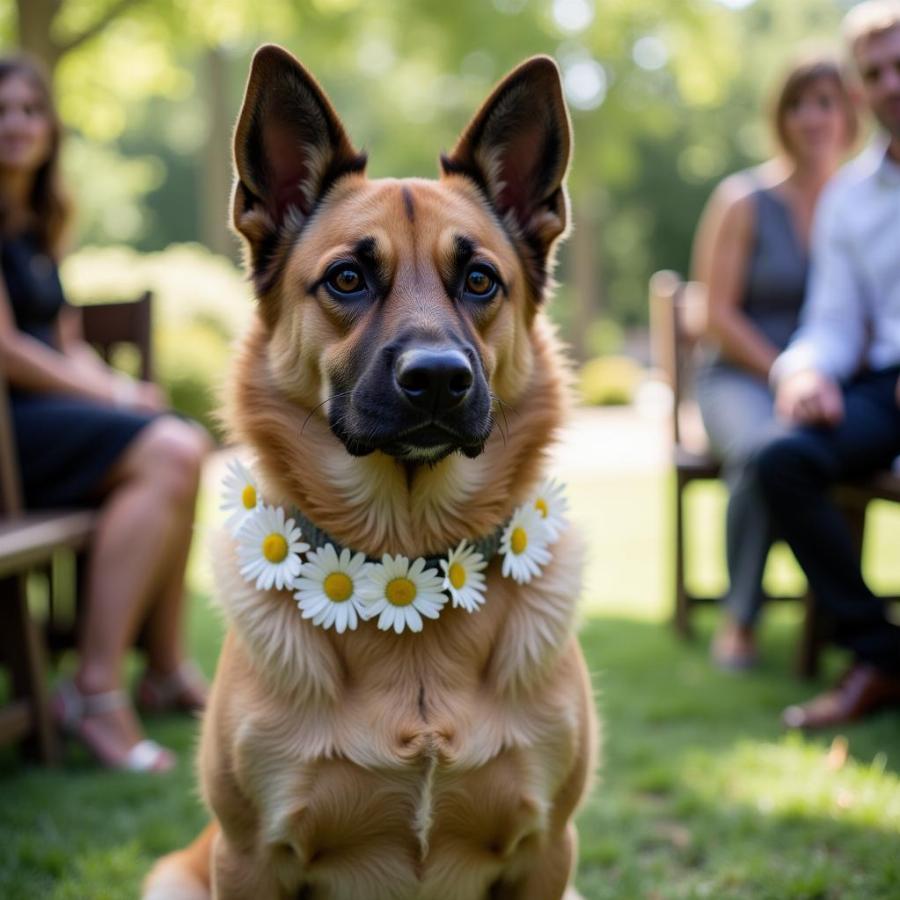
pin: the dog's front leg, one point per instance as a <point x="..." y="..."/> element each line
<point x="548" y="873"/>
<point x="242" y="875"/>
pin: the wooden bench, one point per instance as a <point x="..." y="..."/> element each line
<point x="677" y="322"/>
<point x="36" y="540"/>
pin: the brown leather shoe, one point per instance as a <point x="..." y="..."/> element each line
<point x="863" y="690"/>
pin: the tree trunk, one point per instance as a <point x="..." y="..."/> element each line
<point x="35" y="27"/>
<point x="585" y="271"/>
<point x="215" y="183"/>
<point x="36" y="18"/>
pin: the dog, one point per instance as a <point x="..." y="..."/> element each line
<point x="400" y="386"/>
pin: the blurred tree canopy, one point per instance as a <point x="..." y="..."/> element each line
<point x="666" y="98"/>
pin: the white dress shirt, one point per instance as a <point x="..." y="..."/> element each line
<point x="851" y="314"/>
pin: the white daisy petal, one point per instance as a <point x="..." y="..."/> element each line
<point x="329" y="591"/>
<point x="240" y="495"/>
<point x="400" y="593"/>
<point x="524" y="545"/>
<point x="550" y="501"/>
<point x="463" y="578"/>
<point x="269" y="549"/>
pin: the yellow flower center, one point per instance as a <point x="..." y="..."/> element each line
<point x="541" y="506"/>
<point x="338" y="587"/>
<point x="457" y="575"/>
<point x="400" y="591"/>
<point x="248" y="497"/>
<point x="519" y="541"/>
<point x="274" y="547"/>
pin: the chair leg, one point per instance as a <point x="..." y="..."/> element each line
<point x="809" y="651"/>
<point x="24" y="654"/>
<point x="682" y="619"/>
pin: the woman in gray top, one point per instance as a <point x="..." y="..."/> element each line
<point x="751" y="251"/>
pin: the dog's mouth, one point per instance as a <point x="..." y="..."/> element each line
<point x="423" y="442"/>
<point x="432" y="442"/>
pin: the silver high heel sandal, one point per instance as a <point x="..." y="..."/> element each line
<point x="71" y="707"/>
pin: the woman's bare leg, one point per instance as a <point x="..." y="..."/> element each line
<point x="141" y="535"/>
<point x="164" y="627"/>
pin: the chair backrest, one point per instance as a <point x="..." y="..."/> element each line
<point x="106" y="325"/>
<point x="677" y="322"/>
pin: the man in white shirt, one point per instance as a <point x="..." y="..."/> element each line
<point x="838" y="381"/>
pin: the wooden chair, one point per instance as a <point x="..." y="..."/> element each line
<point x="677" y="321"/>
<point x="31" y="541"/>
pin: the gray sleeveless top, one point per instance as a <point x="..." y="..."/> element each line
<point x="776" y="272"/>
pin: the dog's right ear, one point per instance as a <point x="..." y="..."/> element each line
<point x="289" y="148"/>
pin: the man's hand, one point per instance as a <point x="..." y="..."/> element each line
<point x="810" y="398"/>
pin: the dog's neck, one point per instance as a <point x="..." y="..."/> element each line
<point x="377" y="504"/>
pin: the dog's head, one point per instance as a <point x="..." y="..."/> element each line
<point x="400" y="308"/>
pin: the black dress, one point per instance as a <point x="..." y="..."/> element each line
<point x="66" y="445"/>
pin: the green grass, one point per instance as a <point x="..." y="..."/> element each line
<point x="699" y="794"/>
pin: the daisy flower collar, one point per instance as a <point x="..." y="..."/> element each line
<point x="337" y="588"/>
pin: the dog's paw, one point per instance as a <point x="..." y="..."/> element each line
<point x="171" y="882"/>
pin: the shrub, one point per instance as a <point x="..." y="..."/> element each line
<point x="609" y="380"/>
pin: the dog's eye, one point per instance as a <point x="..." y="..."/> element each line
<point x="345" y="281"/>
<point x="481" y="283"/>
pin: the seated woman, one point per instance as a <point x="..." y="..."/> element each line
<point x="88" y="435"/>
<point x="751" y="250"/>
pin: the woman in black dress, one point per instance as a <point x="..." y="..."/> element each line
<point x="89" y="436"/>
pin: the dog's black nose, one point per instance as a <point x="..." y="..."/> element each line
<point x="432" y="379"/>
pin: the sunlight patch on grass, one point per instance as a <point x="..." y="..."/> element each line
<point x="795" y="777"/>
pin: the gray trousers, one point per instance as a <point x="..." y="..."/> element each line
<point x="737" y="410"/>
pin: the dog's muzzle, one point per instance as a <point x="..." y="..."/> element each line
<point x="418" y="401"/>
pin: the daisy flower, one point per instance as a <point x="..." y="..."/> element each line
<point x="400" y="593"/>
<point x="241" y="496"/>
<point x="269" y="549"/>
<point x="462" y="576"/>
<point x="550" y="501"/>
<point x="524" y="544"/>
<point x="328" y="588"/>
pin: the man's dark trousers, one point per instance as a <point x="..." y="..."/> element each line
<point x="796" y="473"/>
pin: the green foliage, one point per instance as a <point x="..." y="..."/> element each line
<point x="605" y="336"/>
<point x="666" y="99"/>
<point x="201" y="303"/>
<point x="114" y="208"/>
<point x="609" y="381"/>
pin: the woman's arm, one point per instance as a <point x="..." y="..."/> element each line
<point x="33" y="366"/>
<point x="721" y="253"/>
<point x="127" y="391"/>
<point x="71" y="342"/>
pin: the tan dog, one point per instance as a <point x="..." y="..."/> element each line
<point x="396" y="319"/>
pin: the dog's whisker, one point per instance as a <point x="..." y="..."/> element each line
<point x="502" y="407"/>
<point x="319" y="406"/>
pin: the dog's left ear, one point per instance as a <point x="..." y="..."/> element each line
<point x="517" y="149"/>
<point x="289" y="148"/>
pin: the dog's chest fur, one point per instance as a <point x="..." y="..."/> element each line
<point x="423" y="765"/>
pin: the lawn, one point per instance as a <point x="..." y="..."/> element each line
<point x="700" y="793"/>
